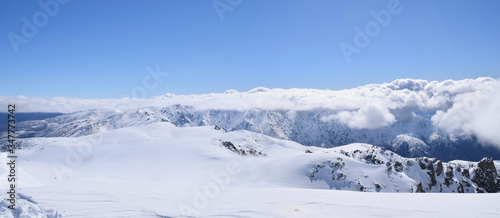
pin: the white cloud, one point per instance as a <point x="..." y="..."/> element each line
<point x="460" y="102"/>
<point x="368" y="117"/>
<point x="461" y="107"/>
<point x="486" y="119"/>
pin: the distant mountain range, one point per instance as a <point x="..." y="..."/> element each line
<point x="408" y="138"/>
<point x="448" y="120"/>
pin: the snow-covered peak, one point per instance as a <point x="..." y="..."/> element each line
<point x="452" y="118"/>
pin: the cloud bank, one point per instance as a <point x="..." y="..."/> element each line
<point x="462" y="107"/>
<point x="486" y="119"/>
<point x="367" y="117"/>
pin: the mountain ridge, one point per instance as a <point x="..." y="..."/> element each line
<point x="410" y="139"/>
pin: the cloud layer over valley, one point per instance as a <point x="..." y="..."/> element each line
<point x="463" y="107"/>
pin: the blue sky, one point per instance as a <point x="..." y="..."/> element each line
<point x="100" y="49"/>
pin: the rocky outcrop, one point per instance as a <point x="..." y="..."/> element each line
<point x="486" y="177"/>
<point x="366" y="166"/>
<point x="426" y="164"/>
<point x="241" y="150"/>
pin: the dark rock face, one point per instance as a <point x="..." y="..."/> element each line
<point x="466" y="174"/>
<point x="439" y="168"/>
<point x="426" y="164"/>
<point x="420" y="189"/>
<point x="241" y="150"/>
<point x="373" y="159"/>
<point x="398" y="166"/>
<point x="448" y="179"/>
<point x="486" y="177"/>
<point x="229" y="145"/>
<point x="460" y="188"/>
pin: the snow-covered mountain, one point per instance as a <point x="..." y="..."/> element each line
<point x="160" y="170"/>
<point x="415" y="118"/>
<point x="409" y="138"/>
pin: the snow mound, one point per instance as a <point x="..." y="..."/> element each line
<point x="26" y="207"/>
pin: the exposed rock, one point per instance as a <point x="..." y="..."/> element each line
<point x="426" y="164"/>
<point x="398" y="166"/>
<point x="389" y="167"/>
<point x="466" y="173"/>
<point x="460" y="189"/>
<point x="241" y="150"/>
<point x="448" y="179"/>
<point x="431" y="175"/>
<point x="373" y="159"/>
<point x="439" y="168"/>
<point x="420" y="189"/>
<point x="486" y="177"/>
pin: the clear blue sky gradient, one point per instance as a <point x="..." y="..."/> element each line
<point x="100" y="49"/>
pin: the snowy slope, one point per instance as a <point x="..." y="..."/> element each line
<point x="409" y="138"/>
<point x="157" y="169"/>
